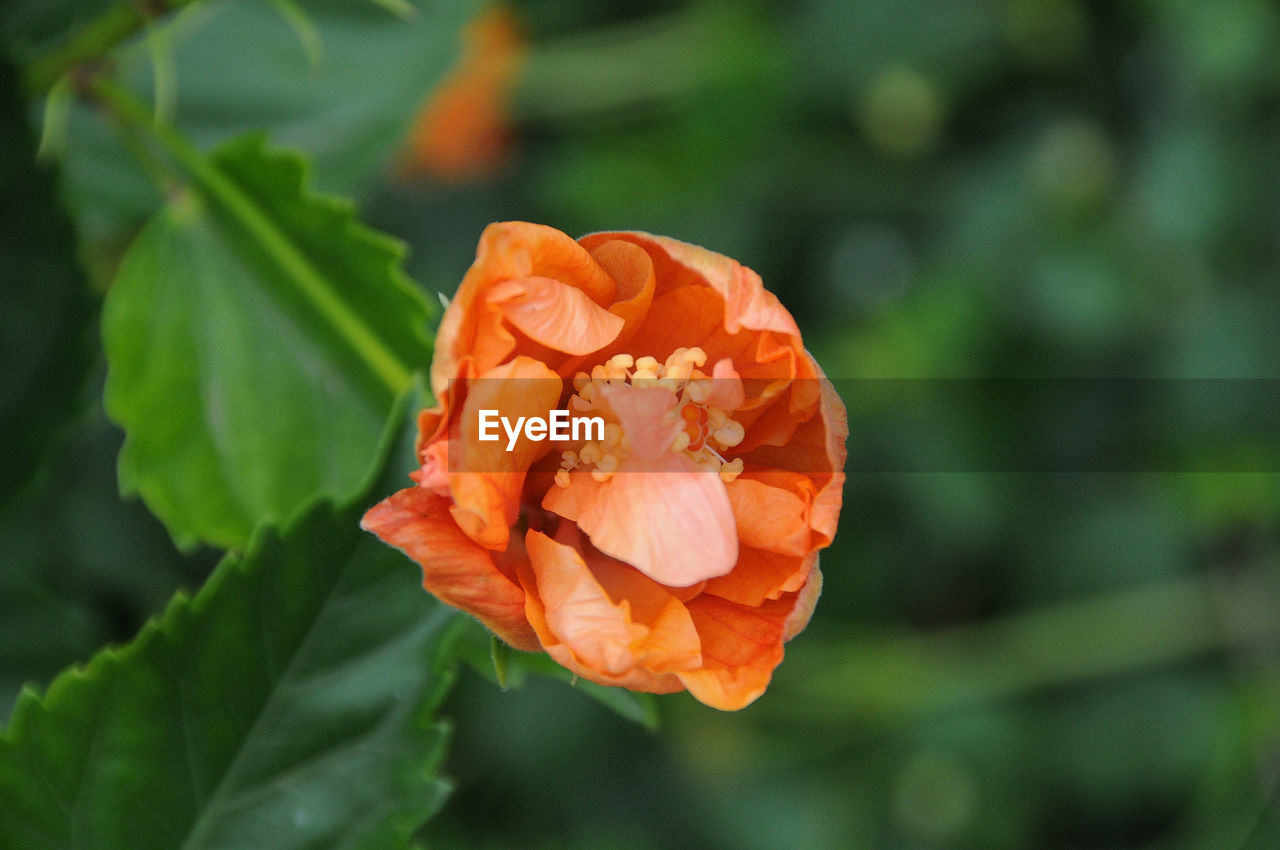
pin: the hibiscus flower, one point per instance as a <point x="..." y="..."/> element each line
<point x="678" y="547"/>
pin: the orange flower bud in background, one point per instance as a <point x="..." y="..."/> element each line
<point x="463" y="129"/>
<point x="678" y="547"/>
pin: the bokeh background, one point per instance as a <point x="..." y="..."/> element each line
<point x="936" y="189"/>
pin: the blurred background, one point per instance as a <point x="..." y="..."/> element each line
<point x="936" y="189"/>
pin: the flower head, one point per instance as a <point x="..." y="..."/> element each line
<point x="677" y="546"/>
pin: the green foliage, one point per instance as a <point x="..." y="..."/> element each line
<point x="510" y="670"/>
<point x="319" y="733"/>
<point x="1022" y="188"/>
<point x="286" y="328"/>
<point x="46" y="341"/>
<point x="343" y="89"/>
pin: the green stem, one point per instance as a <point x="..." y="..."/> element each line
<point x="96" y="38"/>
<point x="242" y="208"/>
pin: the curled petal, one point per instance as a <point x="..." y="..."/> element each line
<point x="508" y="250"/>
<point x="806" y="600"/>
<point x="632" y="272"/>
<point x="650" y="632"/>
<point x="454" y="567"/>
<point x="554" y="314"/>
<point x="747" y="303"/>
<point x="740" y="648"/>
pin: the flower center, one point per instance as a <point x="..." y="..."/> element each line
<point x="706" y="433"/>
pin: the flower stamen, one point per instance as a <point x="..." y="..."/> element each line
<point x="707" y="431"/>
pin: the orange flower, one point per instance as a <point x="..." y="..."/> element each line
<point x="462" y="131"/>
<point x="679" y="547"/>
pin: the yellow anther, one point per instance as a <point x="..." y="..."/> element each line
<point x="580" y="380"/>
<point x="729" y="434"/>
<point x="612" y="435"/>
<point x="562" y="478"/>
<point x="647" y="363"/>
<point x="686" y="359"/>
<point x="707" y="462"/>
<point x="716" y="418"/>
<point x="608" y="463"/>
<point x="598" y="373"/>
<point x="569" y="459"/>
<point x="601" y="476"/>
<point x="623" y="361"/>
<point x="644" y="375"/>
<point x="590" y="453"/>
<point x="679" y="371"/>
<point x="698" y="391"/>
<point x="681" y="442"/>
<point x="731" y="470"/>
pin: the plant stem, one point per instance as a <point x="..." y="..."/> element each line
<point x="96" y="38"/>
<point x="226" y="194"/>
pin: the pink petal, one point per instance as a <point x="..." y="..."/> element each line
<point x="665" y="517"/>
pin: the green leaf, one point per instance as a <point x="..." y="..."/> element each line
<point x="46" y="326"/>
<point x="288" y="704"/>
<point x="256" y="335"/>
<point x="240" y="66"/>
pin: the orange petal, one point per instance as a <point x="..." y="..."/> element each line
<point x="740" y="648"/>
<point x="602" y="634"/>
<point x="696" y="313"/>
<point x="569" y="502"/>
<point x="515" y="249"/>
<point x="636" y="679"/>
<point x="769" y="518"/>
<point x="666" y="518"/>
<point x="632" y="270"/>
<point x="815" y="446"/>
<point x="672" y="643"/>
<point x="507" y="251"/>
<point x="454" y="568"/>
<point x="760" y="575"/>
<point x="484" y="478"/>
<point x="806" y="599"/>
<point x="554" y="314"/>
<point x="747" y="303"/>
